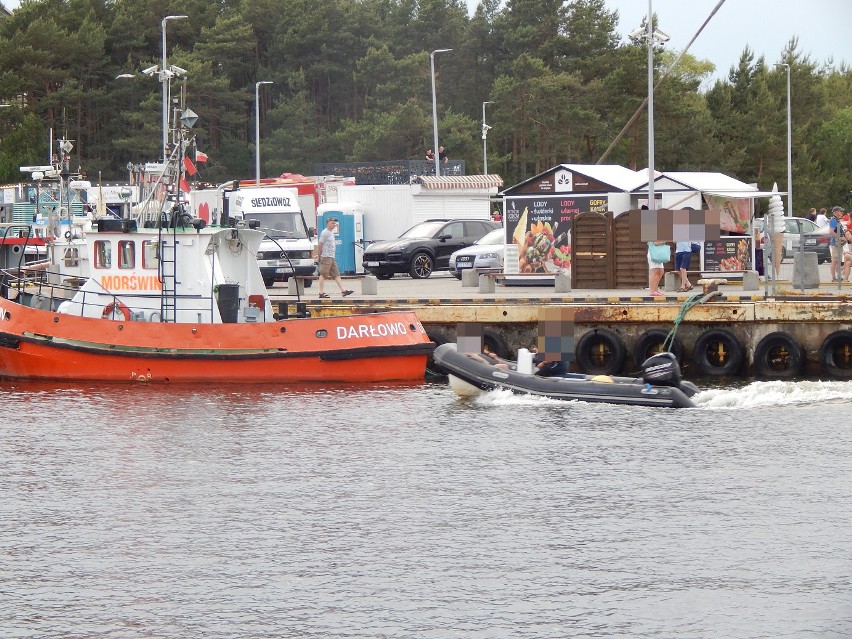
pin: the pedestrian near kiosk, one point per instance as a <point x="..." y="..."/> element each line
<point x="655" y="270"/>
<point x="326" y="248"/>
<point x="821" y="218"/>
<point x="683" y="257"/>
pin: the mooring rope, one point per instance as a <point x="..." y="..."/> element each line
<point x="691" y="302"/>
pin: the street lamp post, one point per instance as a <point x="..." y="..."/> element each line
<point x="485" y="128"/>
<point x="257" y="130"/>
<point x="651" y="205"/>
<point x="789" y="144"/>
<point x="435" y="110"/>
<point x="165" y="76"/>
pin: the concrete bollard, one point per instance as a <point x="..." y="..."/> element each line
<point x="562" y="282"/>
<point x="671" y="281"/>
<point x="805" y="270"/>
<point x="369" y="285"/>
<point x="751" y="281"/>
<point x="469" y="277"/>
<point x="295" y="286"/>
<point x="486" y="284"/>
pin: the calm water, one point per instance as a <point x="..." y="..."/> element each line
<point x="143" y="511"/>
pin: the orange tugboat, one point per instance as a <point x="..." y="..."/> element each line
<point x="185" y="302"/>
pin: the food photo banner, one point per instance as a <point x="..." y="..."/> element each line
<point x="540" y="227"/>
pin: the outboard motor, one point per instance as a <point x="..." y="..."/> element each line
<point x="662" y="369"/>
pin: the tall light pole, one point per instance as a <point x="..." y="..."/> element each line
<point x="435" y="110"/>
<point x="485" y="128"/>
<point x="789" y="143"/>
<point x="650" y="35"/>
<point x="165" y="76"/>
<point x="257" y="130"/>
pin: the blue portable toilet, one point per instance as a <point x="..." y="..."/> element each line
<point x="349" y="254"/>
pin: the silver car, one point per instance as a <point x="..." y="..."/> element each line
<point x="486" y="254"/>
<point x="795" y="228"/>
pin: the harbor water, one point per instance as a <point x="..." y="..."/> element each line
<point x="402" y="511"/>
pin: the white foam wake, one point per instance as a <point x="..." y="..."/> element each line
<point x="775" y="393"/>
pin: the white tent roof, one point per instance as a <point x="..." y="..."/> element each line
<point x="614" y="174"/>
<point x="704" y="182"/>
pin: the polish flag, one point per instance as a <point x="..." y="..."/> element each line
<point x="189" y="166"/>
<point x="200" y="156"/>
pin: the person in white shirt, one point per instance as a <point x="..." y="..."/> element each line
<point x="327" y="266"/>
<point x="821" y="218"/>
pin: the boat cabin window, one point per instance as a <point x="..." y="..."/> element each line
<point x="126" y="254"/>
<point x="150" y="254"/>
<point x="103" y="254"/>
<point x="71" y="256"/>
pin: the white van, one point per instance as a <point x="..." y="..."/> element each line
<point x="288" y="248"/>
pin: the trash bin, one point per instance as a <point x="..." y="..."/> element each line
<point x="228" y="298"/>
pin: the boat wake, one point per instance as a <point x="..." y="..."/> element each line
<point x="775" y="393"/>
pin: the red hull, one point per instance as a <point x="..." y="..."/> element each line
<point x="36" y="344"/>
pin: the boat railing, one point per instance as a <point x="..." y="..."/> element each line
<point x="47" y="289"/>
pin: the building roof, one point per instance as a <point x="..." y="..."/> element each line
<point x="446" y="182"/>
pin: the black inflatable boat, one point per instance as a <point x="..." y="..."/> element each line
<point x="659" y="385"/>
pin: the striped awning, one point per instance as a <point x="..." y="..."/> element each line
<point x="445" y="182"/>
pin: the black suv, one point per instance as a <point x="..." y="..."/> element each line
<point x="424" y="248"/>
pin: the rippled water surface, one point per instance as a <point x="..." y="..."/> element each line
<point x="401" y="511"/>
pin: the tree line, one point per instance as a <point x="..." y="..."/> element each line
<point x="351" y="81"/>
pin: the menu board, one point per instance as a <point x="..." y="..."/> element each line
<point x="727" y="254"/>
<point x="541" y="229"/>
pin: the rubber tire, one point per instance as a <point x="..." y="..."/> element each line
<point x="432" y="368"/>
<point x="764" y="356"/>
<point x="600" y="338"/>
<point x="827" y="354"/>
<point x="422" y="266"/>
<point x="308" y="283"/>
<point x="383" y="276"/>
<point x="724" y="337"/>
<point x="268" y="283"/>
<point x="651" y="338"/>
<point x="495" y="343"/>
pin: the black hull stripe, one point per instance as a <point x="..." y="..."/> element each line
<point x="9" y="340"/>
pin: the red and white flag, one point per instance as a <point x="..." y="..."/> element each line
<point x="189" y="166"/>
<point x="200" y="156"/>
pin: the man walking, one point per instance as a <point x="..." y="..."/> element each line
<point x="326" y="248"/>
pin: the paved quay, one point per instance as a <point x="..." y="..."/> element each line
<point x="441" y="286"/>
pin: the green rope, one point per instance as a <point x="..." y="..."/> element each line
<point x="692" y="301"/>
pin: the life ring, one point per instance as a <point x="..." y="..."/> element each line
<point x="494" y="342"/>
<point x="651" y="342"/>
<point x="717" y="352"/>
<point x="778" y="355"/>
<point x="835" y="354"/>
<point x="67" y="235"/>
<point x="112" y="308"/>
<point x="600" y="352"/>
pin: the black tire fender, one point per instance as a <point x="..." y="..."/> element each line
<point x="600" y="352"/>
<point x="835" y="354"/>
<point x="651" y="342"/>
<point x="495" y="343"/>
<point x="718" y="352"/>
<point x="432" y="368"/>
<point x="778" y="355"/>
